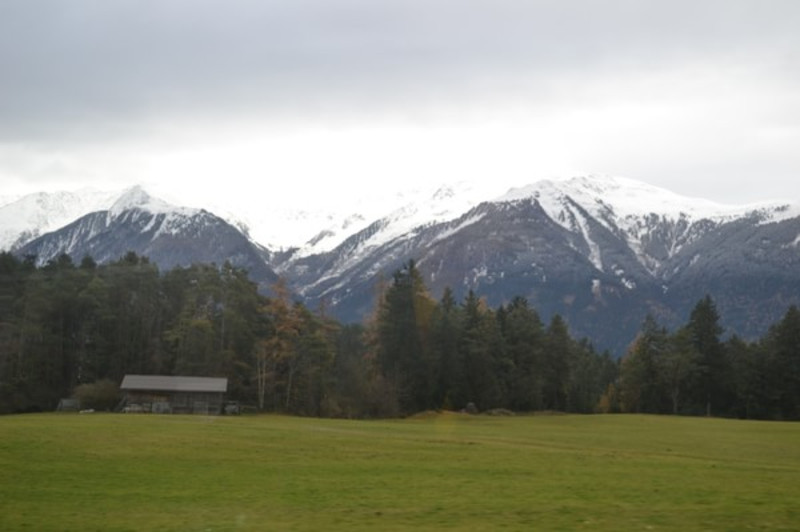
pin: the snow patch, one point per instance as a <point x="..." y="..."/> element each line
<point x="466" y="223"/>
<point x="794" y="244"/>
<point x="770" y="213"/>
<point x="596" y="287"/>
<point x="620" y="273"/>
<point x="594" y="249"/>
<point x="136" y="198"/>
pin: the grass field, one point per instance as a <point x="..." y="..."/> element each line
<point x="109" y="472"/>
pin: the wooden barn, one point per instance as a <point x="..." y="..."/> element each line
<point x="162" y="394"/>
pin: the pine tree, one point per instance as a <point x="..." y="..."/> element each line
<point x="194" y="336"/>
<point x="523" y="334"/>
<point x="641" y="371"/>
<point x="404" y="350"/>
<point x="558" y="363"/>
<point x="705" y="331"/>
<point x="784" y="367"/>
<point x="748" y="384"/>
<point x="479" y="345"/>
<point x="446" y="330"/>
<point x="238" y="323"/>
<point x="679" y="367"/>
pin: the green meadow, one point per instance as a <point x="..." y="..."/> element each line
<point x="115" y="472"/>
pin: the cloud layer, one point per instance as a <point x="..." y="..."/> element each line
<point x="700" y="91"/>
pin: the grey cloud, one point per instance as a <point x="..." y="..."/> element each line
<point x="88" y="68"/>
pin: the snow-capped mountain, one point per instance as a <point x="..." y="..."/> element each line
<point x="417" y="209"/>
<point x="23" y="219"/>
<point x="168" y="235"/>
<point x="601" y="251"/>
<point x="656" y="223"/>
<point x="303" y="231"/>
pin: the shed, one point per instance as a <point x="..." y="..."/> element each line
<point x="164" y="394"/>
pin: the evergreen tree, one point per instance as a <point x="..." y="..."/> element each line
<point x="350" y="373"/>
<point x="194" y="335"/>
<point x="135" y="308"/>
<point x="64" y="326"/>
<point x="590" y="376"/>
<point x="783" y="343"/>
<point x="12" y="281"/>
<point x="557" y="364"/>
<point x="313" y="360"/>
<point x="705" y="331"/>
<point x="679" y="367"/>
<point x="641" y="372"/>
<point x="479" y="344"/>
<point x="96" y="347"/>
<point x="238" y="323"/>
<point x="524" y="340"/>
<point x="748" y="384"/>
<point x="404" y="350"/>
<point x="446" y="329"/>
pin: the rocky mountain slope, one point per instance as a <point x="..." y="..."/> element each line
<point x="601" y="251"/>
<point x="169" y="236"/>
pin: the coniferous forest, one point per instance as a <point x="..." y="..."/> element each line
<point x="71" y="329"/>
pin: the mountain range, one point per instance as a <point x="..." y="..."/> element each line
<point x="601" y="251"/>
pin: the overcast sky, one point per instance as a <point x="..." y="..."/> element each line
<point x="281" y="101"/>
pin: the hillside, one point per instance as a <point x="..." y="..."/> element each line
<point x="601" y="251"/>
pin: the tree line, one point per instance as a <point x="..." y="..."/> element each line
<point x="693" y="371"/>
<point x="66" y="326"/>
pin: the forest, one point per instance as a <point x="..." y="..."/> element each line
<point x="74" y="330"/>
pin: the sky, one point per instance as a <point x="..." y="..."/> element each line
<point x="312" y="102"/>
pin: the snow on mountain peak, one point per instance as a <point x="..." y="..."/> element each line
<point x="137" y="198"/>
<point x="413" y="209"/>
<point x="35" y="214"/>
<point x="310" y="232"/>
<point x="623" y="198"/>
<point x="616" y="202"/>
<point x="633" y="207"/>
<point x="424" y="207"/>
<point x="444" y="193"/>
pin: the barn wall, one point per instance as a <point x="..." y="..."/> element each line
<point x="175" y="402"/>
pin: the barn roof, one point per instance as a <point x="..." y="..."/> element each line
<point x="165" y="383"/>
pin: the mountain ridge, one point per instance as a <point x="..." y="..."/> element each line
<point x="169" y="236"/>
<point x="600" y="251"/>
